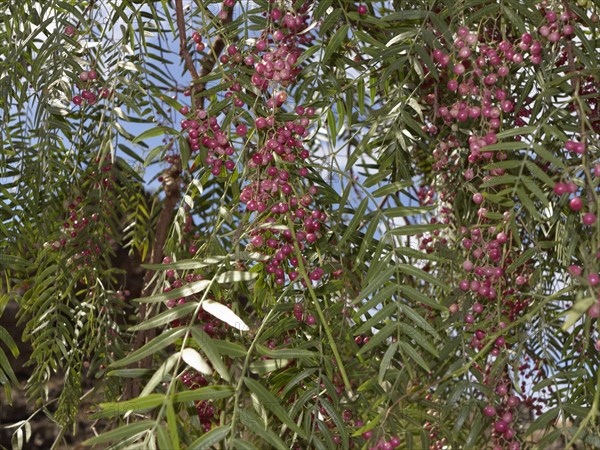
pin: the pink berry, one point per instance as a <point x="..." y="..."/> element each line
<point x="571" y="187"/>
<point x="513" y="401"/>
<point x="500" y="426"/>
<point x="560" y="188"/>
<point x="70" y="30"/>
<point x="362" y="9"/>
<point x="594" y="310"/>
<point x="589" y="218"/>
<point x="489" y="411"/>
<point x="575" y="270"/>
<point x="478" y="198"/>
<point x="551" y="16"/>
<point x="576" y="203"/>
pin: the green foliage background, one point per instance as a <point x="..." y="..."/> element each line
<point x="367" y="77"/>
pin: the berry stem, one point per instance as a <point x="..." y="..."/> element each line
<point x="324" y="324"/>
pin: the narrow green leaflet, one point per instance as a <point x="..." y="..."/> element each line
<point x="519" y="131"/>
<point x="416" y="295"/>
<point x="410" y="351"/>
<point x="357" y="218"/>
<point x="379" y="337"/>
<point x="543" y="421"/>
<point x="386" y="361"/>
<point x="205" y="393"/>
<point x="166" y="317"/>
<point x="335" y="42"/>
<point x="243" y="445"/>
<point x="184" y="291"/>
<point x="270" y="402"/>
<point x="209" y="439"/>
<point x="421" y="274"/>
<point x="122" y="433"/>
<point x="577" y="311"/>
<point x="334" y="414"/>
<point x="264" y="366"/>
<point x="187" y="264"/>
<point x="160" y="374"/>
<point x="235" y="276"/>
<point x="206" y="344"/>
<point x="154" y="132"/>
<point x="286" y="353"/>
<point x="255" y="425"/>
<point x="115" y="409"/>
<point x="411" y="230"/>
<point x="392" y="188"/>
<point x="151" y="348"/>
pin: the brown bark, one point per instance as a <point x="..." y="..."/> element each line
<point x="171" y="182"/>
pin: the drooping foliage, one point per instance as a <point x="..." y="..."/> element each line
<point x="375" y="226"/>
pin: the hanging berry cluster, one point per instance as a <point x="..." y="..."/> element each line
<point x="470" y="105"/>
<point x="280" y="202"/>
<point x="207" y="413"/>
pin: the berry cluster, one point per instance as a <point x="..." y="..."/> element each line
<point x="205" y="131"/>
<point x="79" y="231"/>
<point x="207" y="413"/>
<point x="475" y="74"/>
<point x="277" y="197"/>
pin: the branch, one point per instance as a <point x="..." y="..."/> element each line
<point x="165" y="219"/>
<point x="171" y="183"/>
<point x="183" y="50"/>
<point x="208" y="63"/>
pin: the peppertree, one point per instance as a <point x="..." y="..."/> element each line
<point x="320" y="224"/>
